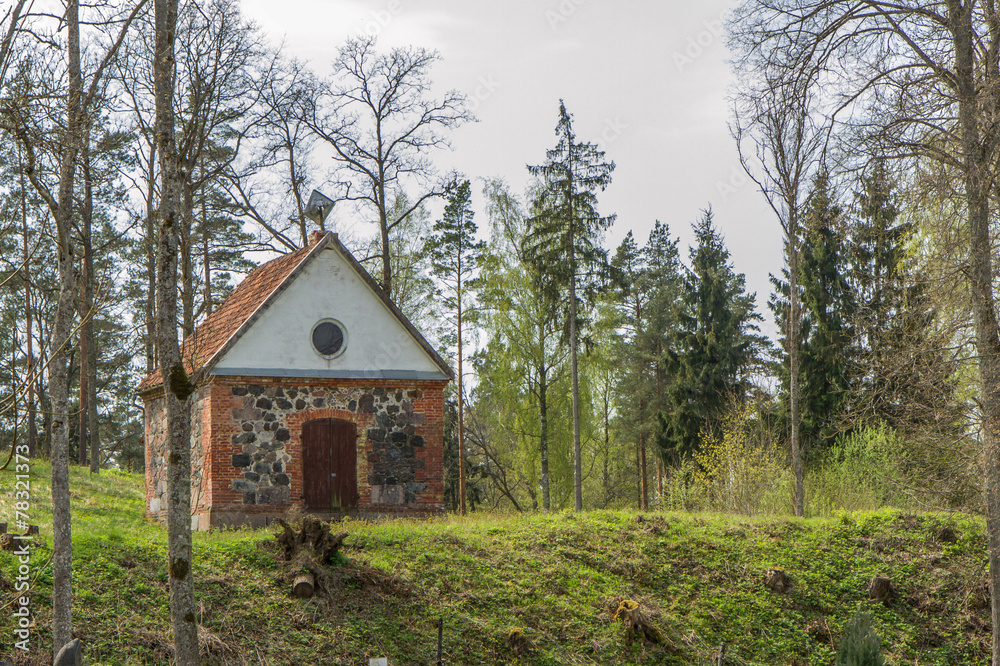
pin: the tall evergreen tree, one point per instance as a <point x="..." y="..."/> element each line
<point x="828" y="303"/>
<point x="904" y="373"/>
<point x="713" y="347"/>
<point x="563" y="241"/>
<point x="455" y="254"/>
<point x="826" y="370"/>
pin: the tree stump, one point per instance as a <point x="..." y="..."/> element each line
<point x="777" y="580"/>
<point x="303" y="585"/>
<point x="637" y="625"/>
<point x="880" y="589"/>
<point x="946" y="535"/>
<point x="315" y="535"/>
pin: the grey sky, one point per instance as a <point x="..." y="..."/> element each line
<point x="646" y="78"/>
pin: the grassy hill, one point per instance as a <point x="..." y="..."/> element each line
<point x="538" y="589"/>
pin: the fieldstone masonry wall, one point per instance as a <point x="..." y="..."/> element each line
<point x="251" y="430"/>
<point x="157" y="449"/>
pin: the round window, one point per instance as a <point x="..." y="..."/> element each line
<point x="328" y="338"/>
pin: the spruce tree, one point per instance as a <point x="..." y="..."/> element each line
<point x="828" y="305"/>
<point x="648" y="280"/>
<point x="826" y="371"/>
<point x="861" y="646"/>
<point x="711" y="350"/>
<point x="563" y="242"/>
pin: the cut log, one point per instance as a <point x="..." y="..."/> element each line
<point x="303" y="585"/>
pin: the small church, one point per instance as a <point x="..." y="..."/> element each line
<point x="316" y="392"/>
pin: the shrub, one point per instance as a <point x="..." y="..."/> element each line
<point x="856" y="474"/>
<point x="861" y="646"/>
<point x="740" y="470"/>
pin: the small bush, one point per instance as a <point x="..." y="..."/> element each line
<point x="861" y="646"/>
<point x="855" y="474"/>
<point x="740" y="470"/>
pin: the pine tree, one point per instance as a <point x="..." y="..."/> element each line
<point x="649" y="280"/>
<point x="455" y="255"/>
<point x="711" y="350"/>
<point x="563" y="242"/>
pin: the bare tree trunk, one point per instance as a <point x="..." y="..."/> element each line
<point x="543" y="417"/>
<point x="28" y="319"/>
<point x="980" y="275"/>
<point x="793" y="361"/>
<point x="206" y="255"/>
<point x="643" y="490"/>
<point x="86" y="282"/>
<point x="62" y="544"/>
<point x="659" y="484"/>
<point x="84" y="410"/>
<point x="577" y="462"/>
<point x="177" y="386"/>
<point x="87" y="332"/>
<point x="151" y="245"/>
<point x="186" y="219"/>
<point x="294" y="181"/>
<point x="384" y="229"/>
<point x="461" y="397"/>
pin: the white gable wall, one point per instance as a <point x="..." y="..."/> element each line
<point x="280" y="340"/>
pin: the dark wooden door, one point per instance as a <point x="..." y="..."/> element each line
<point x="329" y="464"/>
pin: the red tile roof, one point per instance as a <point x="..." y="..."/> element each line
<point x="221" y="325"/>
<point x="221" y="328"/>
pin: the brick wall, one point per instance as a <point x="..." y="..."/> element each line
<point x="250" y="435"/>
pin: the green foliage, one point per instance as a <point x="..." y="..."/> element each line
<point x="474" y="474"/>
<point x="713" y="348"/>
<point x="828" y="305"/>
<point x="860" y="471"/>
<point x="562" y="237"/>
<point x="521" y="416"/>
<point x="455" y="254"/>
<point x="861" y="646"/>
<point x="649" y="280"/>
<point x="826" y="363"/>
<point x="739" y="468"/>
<point x="558" y="576"/>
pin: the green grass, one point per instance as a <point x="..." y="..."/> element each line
<point x="556" y="579"/>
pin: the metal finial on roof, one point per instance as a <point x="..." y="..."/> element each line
<point x="318" y="207"/>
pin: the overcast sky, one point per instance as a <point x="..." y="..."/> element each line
<point x="647" y="79"/>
